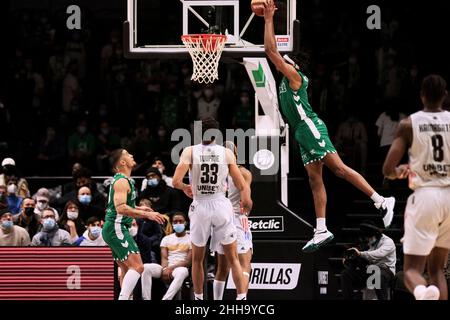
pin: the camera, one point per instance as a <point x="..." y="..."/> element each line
<point x="352" y="260"/>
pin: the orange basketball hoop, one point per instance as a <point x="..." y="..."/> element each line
<point x="205" y="51"/>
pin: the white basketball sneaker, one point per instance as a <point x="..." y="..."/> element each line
<point x="320" y="239"/>
<point x="387" y="209"/>
<point x="427" y="293"/>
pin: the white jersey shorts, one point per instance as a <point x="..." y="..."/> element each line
<point x="427" y="221"/>
<point x="212" y="217"/>
<point x="244" y="236"/>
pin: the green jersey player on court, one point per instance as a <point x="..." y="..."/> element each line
<point x="312" y="136"/>
<point x="120" y="211"/>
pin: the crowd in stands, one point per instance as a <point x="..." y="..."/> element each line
<point x="72" y="214"/>
<point x="81" y="98"/>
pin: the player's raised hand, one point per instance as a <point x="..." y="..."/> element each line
<point x="155" y="216"/>
<point x="269" y="9"/>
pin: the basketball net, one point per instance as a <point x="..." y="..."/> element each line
<point x="205" y="51"/>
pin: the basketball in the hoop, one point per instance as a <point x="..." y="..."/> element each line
<point x="258" y="7"/>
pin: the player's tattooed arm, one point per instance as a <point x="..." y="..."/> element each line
<point x="403" y="140"/>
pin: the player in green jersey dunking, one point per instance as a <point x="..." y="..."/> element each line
<point x="120" y="211"/>
<point x="312" y="136"/>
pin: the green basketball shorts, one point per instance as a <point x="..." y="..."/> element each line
<point x="119" y="240"/>
<point x="312" y="137"/>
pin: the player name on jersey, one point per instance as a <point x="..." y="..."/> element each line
<point x="434" y="128"/>
<point x="209" y="158"/>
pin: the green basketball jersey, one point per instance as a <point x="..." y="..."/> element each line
<point x="294" y="104"/>
<point x="111" y="213"/>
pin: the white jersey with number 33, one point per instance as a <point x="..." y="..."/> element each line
<point x="209" y="171"/>
<point x="430" y="150"/>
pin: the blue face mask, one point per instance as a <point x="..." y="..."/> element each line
<point x="152" y="182"/>
<point x="85" y="198"/>
<point x="7" y="225"/>
<point x="179" y="227"/>
<point x="49" y="224"/>
<point x="96" y="232"/>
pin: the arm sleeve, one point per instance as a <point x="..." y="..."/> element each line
<point x="385" y="249"/>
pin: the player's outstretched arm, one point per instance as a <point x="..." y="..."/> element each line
<point x="121" y="189"/>
<point x="401" y="143"/>
<point x="270" y="46"/>
<point x="181" y="170"/>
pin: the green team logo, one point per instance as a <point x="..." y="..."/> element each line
<point x="283" y="88"/>
<point x="259" y="77"/>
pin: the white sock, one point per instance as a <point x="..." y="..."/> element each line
<point x="241" y="296"/>
<point x="129" y="282"/>
<point x="321" y="224"/>
<point x="376" y="198"/>
<point x="218" y="288"/>
<point x="198" y="296"/>
<point x="418" y="291"/>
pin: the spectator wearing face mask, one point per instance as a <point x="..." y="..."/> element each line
<point x="92" y="237"/>
<point x="175" y="259"/>
<point x="163" y="198"/>
<point x="42" y="198"/>
<point x="27" y="219"/>
<point x="51" y="235"/>
<point x="87" y="207"/>
<point x="14" y="201"/>
<point x="11" y="235"/>
<point x="70" y="220"/>
<point x="10" y="171"/>
<point x="83" y="179"/>
<point x="158" y="164"/>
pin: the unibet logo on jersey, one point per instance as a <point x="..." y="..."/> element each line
<point x="266" y="224"/>
<point x="271" y="276"/>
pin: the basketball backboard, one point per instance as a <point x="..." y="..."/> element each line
<point x="154" y="28"/>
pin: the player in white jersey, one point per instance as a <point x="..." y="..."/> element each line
<point x="244" y="235"/>
<point x="211" y="211"/>
<point x="427" y="216"/>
